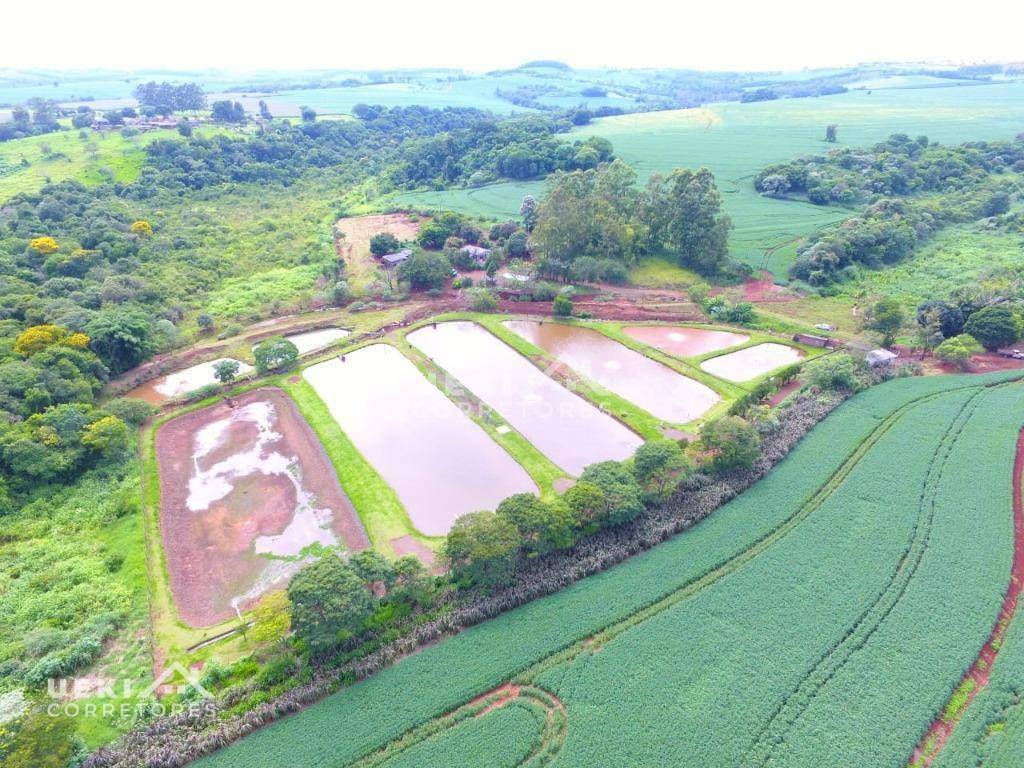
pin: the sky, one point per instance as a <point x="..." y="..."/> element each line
<point x="479" y="35"/>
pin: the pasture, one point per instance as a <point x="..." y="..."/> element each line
<point x="839" y="562"/>
<point x="737" y="140"/>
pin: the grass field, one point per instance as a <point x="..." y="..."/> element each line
<point x="737" y="140"/>
<point x="869" y="583"/>
<point x="26" y="165"/>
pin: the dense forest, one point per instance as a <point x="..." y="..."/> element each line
<point x="912" y="187"/>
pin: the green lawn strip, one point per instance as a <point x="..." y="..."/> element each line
<point x="661" y="272"/>
<point x="378" y="506"/>
<point x="543" y="471"/>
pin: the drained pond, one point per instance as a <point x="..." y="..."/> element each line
<point x="684" y="342"/>
<point x="563" y="426"/>
<point x="439" y="462"/>
<point x="746" y="364"/>
<point x="310" y="341"/>
<point x="162" y="389"/>
<point x="246" y="495"/>
<point x="644" y="382"/>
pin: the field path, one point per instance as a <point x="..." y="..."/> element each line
<point x="977" y="676"/>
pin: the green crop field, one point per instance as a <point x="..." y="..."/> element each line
<point x="869" y="567"/>
<point x="737" y="140"/>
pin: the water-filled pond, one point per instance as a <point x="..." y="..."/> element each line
<point x="746" y="364"/>
<point x="310" y="341"/>
<point x="439" y="462"/>
<point x="562" y="425"/>
<point x="162" y="389"/>
<point x="684" y="342"/>
<point x="644" y="382"/>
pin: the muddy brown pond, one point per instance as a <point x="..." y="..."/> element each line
<point x="644" y="382"/>
<point x="438" y="461"/>
<point x="245" y="491"/>
<point x="682" y="341"/>
<point x="563" y="426"/>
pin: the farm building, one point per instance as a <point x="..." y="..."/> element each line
<point x="476" y="253"/>
<point x="877" y="357"/>
<point x="394" y="259"/>
<point x="814" y="341"/>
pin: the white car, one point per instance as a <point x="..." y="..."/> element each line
<point x="825" y="327"/>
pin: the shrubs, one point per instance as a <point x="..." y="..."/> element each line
<point x="562" y="306"/>
<point x="483" y="300"/>
<point x="834" y="372"/>
<point x="957" y="351"/>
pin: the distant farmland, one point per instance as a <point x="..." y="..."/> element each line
<point x="887" y="534"/>
<point x="737" y="140"/>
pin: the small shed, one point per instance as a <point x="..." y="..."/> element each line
<point x="813" y="341"/>
<point x="394" y="259"/>
<point x="476" y="253"/>
<point x="877" y="357"/>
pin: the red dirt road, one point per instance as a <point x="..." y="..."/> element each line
<point x="937" y="736"/>
<point x="236" y="487"/>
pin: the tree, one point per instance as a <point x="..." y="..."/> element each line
<point x="265" y="111"/>
<point x="887" y="317"/>
<point x="412" y="581"/>
<point x="424" y="270"/>
<point x="275" y="354"/>
<point x="373" y="568"/>
<point x="382" y="243"/>
<point x="184" y="127"/>
<point x="204" y="321"/>
<point x="39" y="337"/>
<point x="273" y="617"/>
<point x="958" y="350"/>
<point x="517" y="246"/>
<point x="696" y="229"/>
<point x="949" y="319"/>
<point x="141" y="227"/>
<point x="329" y="602"/>
<point x="831" y="133"/>
<point x="226" y="111"/>
<point x="308" y="114"/>
<point x="482" y="300"/>
<point x="225" y="371"/>
<point x="107" y="436"/>
<point x="528" y="212"/>
<point x="562" y="306"/>
<point x="657" y="466"/>
<point x="543" y="527"/>
<point x="732" y="443"/>
<point x="587" y="502"/>
<point x="43" y="245"/>
<point x="993" y="326"/>
<point x="122" y="337"/>
<point x="622" y="495"/>
<point x="481" y="548"/>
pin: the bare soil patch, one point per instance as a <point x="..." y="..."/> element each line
<point x="407" y="545"/>
<point x="244" y="490"/>
<point x="352" y="240"/>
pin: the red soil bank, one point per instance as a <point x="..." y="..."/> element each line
<point x="937" y="736"/>
<point x="210" y="552"/>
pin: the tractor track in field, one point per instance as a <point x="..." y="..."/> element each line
<point x="977" y="675"/>
<point x="772" y="736"/>
<point x="525" y="682"/>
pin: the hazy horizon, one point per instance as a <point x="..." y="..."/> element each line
<point x="791" y="35"/>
